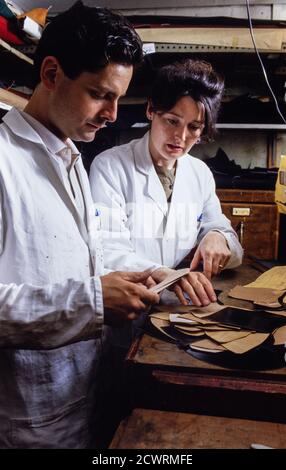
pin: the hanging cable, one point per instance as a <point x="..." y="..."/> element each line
<point x="261" y="63"/>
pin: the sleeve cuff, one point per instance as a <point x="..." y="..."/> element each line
<point x="224" y="234"/>
<point x="234" y="247"/>
<point x="99" y="307"/>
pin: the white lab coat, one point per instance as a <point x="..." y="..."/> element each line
<point x="49" y="296"/>
<point x="140" y="228"/>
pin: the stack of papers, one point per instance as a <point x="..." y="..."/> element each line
<point x="217" y="328"/>
<point x="250" y="315"/>
<point x="268" y="290"/>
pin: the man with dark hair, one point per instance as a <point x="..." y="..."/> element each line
<point x="54" y="296"/>
<point x="87" y="39"/>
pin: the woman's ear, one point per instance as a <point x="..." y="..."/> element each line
<point x="50" y="71"/>
<point x="150" y="111"/>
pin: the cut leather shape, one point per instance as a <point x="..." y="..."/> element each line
<point x="279" y="336"/>
<point x="207" y="345"/>
<point x="259" y="295"/>
<point x="256" y="320"/>
<point x="243" y="345"/>
<point x="274" y="278"/>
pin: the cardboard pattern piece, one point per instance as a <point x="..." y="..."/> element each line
<point x="224" y="328"/>
<point x="279" y="336"/>
<point x="259" y="295"/>
<point x="170" y="280"/>
<point x="268" y="291"/>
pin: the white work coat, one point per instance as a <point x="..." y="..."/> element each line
<point x="140" y="228"/>
<point x="49" y="296"/>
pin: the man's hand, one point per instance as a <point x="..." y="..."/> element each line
<point x="213" y="251"/>
<point x="195" y="285"/>
<point x="125" y="295"/>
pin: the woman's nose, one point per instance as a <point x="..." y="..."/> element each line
<point x="181" y="133"/>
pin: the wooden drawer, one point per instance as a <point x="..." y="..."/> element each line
<point x="256" y="226"/>
<point x="255" y="218"/>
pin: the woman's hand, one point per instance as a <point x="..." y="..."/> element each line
<point x="195" y="286"/>
<point x="213" y="251"/>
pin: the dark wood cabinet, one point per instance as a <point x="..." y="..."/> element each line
<point x="254" y="216"/>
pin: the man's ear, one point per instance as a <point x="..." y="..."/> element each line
<point x="150" y="111"/>
<point x="50" y="71"/>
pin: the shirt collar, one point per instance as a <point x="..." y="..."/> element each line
<point x="51" y="141"/>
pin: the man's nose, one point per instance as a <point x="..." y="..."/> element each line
<point x="110" y="111"/>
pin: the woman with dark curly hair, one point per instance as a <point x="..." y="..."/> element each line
<point x="159" y="200"/>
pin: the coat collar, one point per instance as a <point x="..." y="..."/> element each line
<point x="28" y="128"/>
<point x="20" y="127"/>
<point x="144" y="164"/>
<point x="143" y="160"/>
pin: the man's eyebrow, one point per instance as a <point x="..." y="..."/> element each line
<point x="100" y="88"/>
<point x="103" y="89"/>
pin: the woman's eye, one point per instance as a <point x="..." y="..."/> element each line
<point x="195" y="128"/>
<point x="173" y="122"/>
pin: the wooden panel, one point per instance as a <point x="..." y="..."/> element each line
<point x="245" y="195"/>
<point x="259" y="231"/>
<point x="153" y="429"/>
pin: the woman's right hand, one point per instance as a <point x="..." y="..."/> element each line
<point x="194" y="285"/>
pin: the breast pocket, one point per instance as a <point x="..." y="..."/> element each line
<point x="66" y="429"/>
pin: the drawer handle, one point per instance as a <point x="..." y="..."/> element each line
<point x="240" y="231"/>
<point x="241" y="211"/>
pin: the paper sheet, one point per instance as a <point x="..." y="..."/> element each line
<point x="161" y="315"/>
<point x="274" y="278"/>
<point x="279" y="336"/>
<point x="207" y="345"/>
<point x="227" y="336"/>
<point x="178" y="318"/>
<point x="247" y="343"/>
<point x="158" y="323"/>
<point x="208" y="310"/>
<point x="190" y="331"/>
<point x="259" y="295"/>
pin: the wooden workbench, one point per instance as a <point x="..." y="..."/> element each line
<point x="167" y="378"/>
<point x="154" y="429"/>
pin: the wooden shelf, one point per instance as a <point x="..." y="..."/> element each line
<point x="171" y="39"/>
<point x="244" y="126"/>
<point x="11" y="99"/>
<point x="277" y="127"/>
<point x="17" y="53"/>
